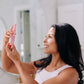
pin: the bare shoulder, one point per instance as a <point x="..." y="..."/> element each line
<point x="69" y="72"/>
<point x="70" y="75"/>
<point x="66" y="76"/>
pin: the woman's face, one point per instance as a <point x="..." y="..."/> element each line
<point x="50" y="45"/>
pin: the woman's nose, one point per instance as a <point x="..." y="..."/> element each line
<point x="45" y="40"/>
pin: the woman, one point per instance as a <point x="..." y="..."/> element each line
<point x="64" y="65"/>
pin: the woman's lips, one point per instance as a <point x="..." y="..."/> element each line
<point x="45" y="46"/>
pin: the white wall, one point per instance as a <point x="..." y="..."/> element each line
<point x="65" y="2"/>
<point x="42" y="16"/>
<point x="7" y="10"/>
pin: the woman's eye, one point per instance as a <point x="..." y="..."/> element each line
<point x="50" y="36"/>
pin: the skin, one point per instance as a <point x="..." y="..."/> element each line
<point x="11" y="62"/>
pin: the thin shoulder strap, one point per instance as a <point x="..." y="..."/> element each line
<point x="62" y="68"/>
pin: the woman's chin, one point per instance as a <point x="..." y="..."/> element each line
<point x="46" y="52"/>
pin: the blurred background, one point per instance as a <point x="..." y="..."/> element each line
<point x="33" y="18"/>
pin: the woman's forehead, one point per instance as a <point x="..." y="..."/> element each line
<point x="51" y="31"/>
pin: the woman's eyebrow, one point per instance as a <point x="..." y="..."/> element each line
<point x="50" y="34"/>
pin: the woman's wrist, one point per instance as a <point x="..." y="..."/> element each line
<point x="4" y="44"/>
<point x="18" y="63"/>
<point x="20" y="68"/>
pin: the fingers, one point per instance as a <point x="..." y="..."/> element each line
<point x="11" y="47"/>
<point x="14" y="47"/>
<point x="8" y="32"/>
<point x="12" y="54"/>
<point x="7" y="36"/>
<point x="8" y="49"/>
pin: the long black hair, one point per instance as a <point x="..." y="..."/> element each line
<point x="69" y="48"/>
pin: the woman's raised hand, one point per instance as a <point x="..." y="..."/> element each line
<point x="6" y="37"/>
<point x="12" y="53"/>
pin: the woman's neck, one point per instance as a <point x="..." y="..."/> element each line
<point x="56" y="61"/>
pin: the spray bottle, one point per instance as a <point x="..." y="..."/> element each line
<point x="12" y="38"/>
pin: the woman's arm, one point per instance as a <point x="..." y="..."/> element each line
<point x="25" y="76"/>
<point x="8" y="64"/>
